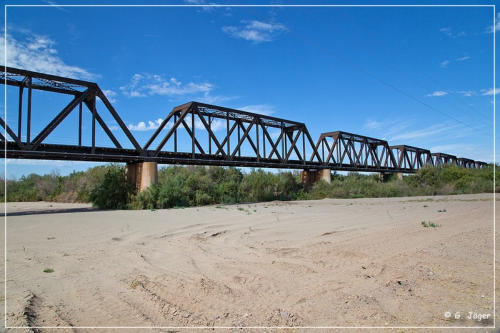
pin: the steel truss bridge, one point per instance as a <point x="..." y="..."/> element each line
<point x="218" y="136"/>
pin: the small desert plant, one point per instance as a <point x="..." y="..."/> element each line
<point x="48" y="270"/>
<point x="429" y="224"/>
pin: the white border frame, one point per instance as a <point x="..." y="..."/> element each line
<point x="255" y="327"/>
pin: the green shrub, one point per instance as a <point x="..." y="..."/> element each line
<point x="114" y="191"/>
<point x="180" y="186"/>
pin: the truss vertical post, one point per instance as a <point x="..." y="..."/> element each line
<point x="227" y="134"/>
<point x="175" y="134"/>
<point x="263" y="142"/>
<point x="239" y="138"/>
<point x="323" y="151"/>
<point x="303" y="147"/>
<point x="80" y="124"/>
<point x="285" y="152"/>
<point x="193" y="134"/>
<point x="257" y="137"/>
<point x="209" y="137"/>
<point x="20" y="115"/>
<point x="93" y="122"/>
<point x="28" y="122"/>
<point x="282" y="143"/>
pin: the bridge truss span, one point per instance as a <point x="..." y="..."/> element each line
<point x="192" y="133"/>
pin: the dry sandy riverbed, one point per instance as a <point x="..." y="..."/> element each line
<point x="365" y="262"/>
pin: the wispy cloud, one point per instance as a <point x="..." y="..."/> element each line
<point x="142" y="126"/>
<point x="111" y="95"/>
<point x="472" y="151"/>
<point x="445" y="63"/>
<point x="467" y="93"/>
<point x="495" y="27"/>
<point x="206" y="6"/>
<point x="255" y="31"/>
<point x="430" y="131"/>
<point x="385" y="128"/>
<point x="437" y="93"/>
<point x="142" y="85"/>
<point x="444" y="136"/>
<point x="372" y="124"/>
<point x="151" y="125"/>
<point x="490" y="92"/>
<point x="215" y="99"/>
<point x="264" y="109"/>
<point x="448" y="31"/>
<point x="38" y="53"/>
<point x="56" y="5"/>
<point x="452" y="148"/>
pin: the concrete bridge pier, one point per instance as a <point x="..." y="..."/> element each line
<point x="142" y="174"/>
<point x="313" y="176"/>
<point x="384" y="176"/>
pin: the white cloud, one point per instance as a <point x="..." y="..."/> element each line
<point x="495" y="27"/>
<point x="437" y="93"/>
<point x="427" y="132"/>
<point x="216" y="125"/>
<point x="490" y="92"/>
<point x="152" y="84"/>
<point x="372" y="124"/>
<point x="151" y="125"/>
<point x="110" y="94"/>
<point x="450" y="33"/>
<point x="453" y="148"/>
<point x="264" y="109"/>
<point x="472" y="151"/>
<point x="215" y="99"/>
<point x="142" y="126"/>
<point x="255" y="31"/>
<point x="467" y="93"/>
<point x="446" y="31"/>
<point x="445" y="63"/>
<point x="37" y="53"/>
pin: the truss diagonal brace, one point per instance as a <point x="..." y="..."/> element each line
<point x="10" y="132"/>
<point x="58" y="119"/>
<point x="103" y="125"/>
<point x="124" y="128"/>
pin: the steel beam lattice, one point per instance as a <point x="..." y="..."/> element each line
<point x="216" y="135"/>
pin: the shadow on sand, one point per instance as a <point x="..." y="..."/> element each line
<point x="53" y="211"/>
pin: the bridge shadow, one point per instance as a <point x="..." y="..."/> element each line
<point x="53" y="211"/>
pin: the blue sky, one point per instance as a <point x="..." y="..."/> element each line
<point x="417" y="76"/>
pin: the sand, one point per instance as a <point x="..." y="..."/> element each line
<point x="332" y="262"/>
